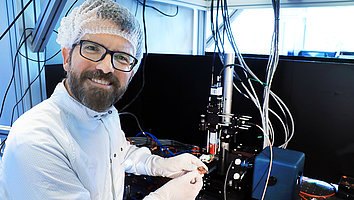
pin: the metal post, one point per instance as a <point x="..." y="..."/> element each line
<point x="229" y="59"/>
<point x="227" y="103"/>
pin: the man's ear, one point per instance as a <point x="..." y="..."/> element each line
<point x="65" y="52"/>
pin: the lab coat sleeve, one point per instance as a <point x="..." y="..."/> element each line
<point x="138" y="159"/>
<point x="39" y="169"/>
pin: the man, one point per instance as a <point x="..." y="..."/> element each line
<point x="71" y="146"/>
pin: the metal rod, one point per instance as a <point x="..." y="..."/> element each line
<point x="229" y="59"/>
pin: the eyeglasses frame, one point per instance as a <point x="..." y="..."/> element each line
<point x="132" y="65"/>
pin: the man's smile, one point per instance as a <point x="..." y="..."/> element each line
<point x="101" y="82"/>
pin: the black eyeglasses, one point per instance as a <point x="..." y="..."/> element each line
<point x="96" y="52"/>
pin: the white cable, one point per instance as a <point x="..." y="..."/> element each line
<point x="6" y="128"/>
<point x="286" y="131"/>
<point x="281" y="104"/>
<point x="227" y="173"/>
<point x="271" y="132"/>
<point x="235" y="86"/>
<point x="289" y="114"/>
<point x="281" y="108"/>
<point x="270" y="71"/>
<point x="254" y="92"/>
<point x="270" y="165"/>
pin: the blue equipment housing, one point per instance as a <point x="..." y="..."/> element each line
<point x="285" y="177"/>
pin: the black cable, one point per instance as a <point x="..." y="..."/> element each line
<point x="2" y="144"/>
<point x="16" y="18"/>
<point x="13" y="69"/>
<point x="13" y="72"/>
<point x="27" y="89"/>
<point x="212" y="26"/>
<point x="144" y="62"/>
<point x="39" y="61"/>
<point x="216" y="45"/>
<point x="6" y="134"/>
<point x="167" y="15"/>
<point x="215" y="30"/>
<point x="235" y="65"/>
<point x="45" y="60"/>
<point x="72" y="5"/>
<point x="12" y="78"/>
<point x="135" y="117"/>
<point x="136" y="9"/>
<point x="67" y="12"/>
<point x="227" y="26"/>
<point x="224" y="19"/>
<point x="218" y="34"/>
<point x="13" y="109"/>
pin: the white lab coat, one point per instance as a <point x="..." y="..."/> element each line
<point x="60" y="149"/>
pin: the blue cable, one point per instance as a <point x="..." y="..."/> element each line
<point x="162" y="146"/>
<point x="158" y="142"/>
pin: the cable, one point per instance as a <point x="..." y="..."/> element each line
<point x="225" y="183"/>
<point x="31" y="83"/>
<point x="136" y="119"/>
<point x="157" y="141"/>
<point x="319" y="196"/>
<point x="31" y="59"/>
<point x="215" y="28"/>
<point x="270" y="167"/>
<point x="12" y="78"/>
<point x="302" y="197"/>
<point x="27" y="89"/>
<point x="136" y="9"/>
<point x="280" y="102"/>
<point x="45" y="60"/>
<point x="72" y="5"/>
<point x="2" y="144"/>
<point x="271" y="67"/>
<point x="67" y="12"/>
<point x="144" y="62"/>
<point x="286" y="113"/>
<point x="13" y="72"/>
<point x="153" y="137"/>
<point x="130" y="141"/>
<point x="170" y="153"/>
<point x="16" y="18"/>
<point x="282" y="123"/>
<point x="235" y="65"/>
<point x="270" y="162"/>
<point x="167" y="15"/>
<point x="14" y="68"/>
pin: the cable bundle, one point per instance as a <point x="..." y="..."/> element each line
<point x="222" y="33"/>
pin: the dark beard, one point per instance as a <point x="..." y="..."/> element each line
<point x="93" y="97"/>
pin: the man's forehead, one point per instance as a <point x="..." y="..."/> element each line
<point x="111" y="42"/>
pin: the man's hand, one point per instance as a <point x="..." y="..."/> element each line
<point x="185" y="187"/>
<point x="176" y="166"/>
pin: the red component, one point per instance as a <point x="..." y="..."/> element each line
<point x="212" y="149"/>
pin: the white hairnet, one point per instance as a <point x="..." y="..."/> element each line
<point x="100" y="16"/>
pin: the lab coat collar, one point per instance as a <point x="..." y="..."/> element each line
<point x="62" y="96"/>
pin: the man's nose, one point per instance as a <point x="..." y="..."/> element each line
<point x="105" y="65"/>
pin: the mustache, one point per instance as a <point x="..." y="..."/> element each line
<point x="98" y="74"/>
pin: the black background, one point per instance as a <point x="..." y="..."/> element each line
<point x="318" y="92"/>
